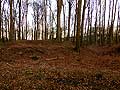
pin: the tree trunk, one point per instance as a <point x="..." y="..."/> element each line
<point x="59" y="7"/>
<point x="22" y="33"/>
<point x="89" y="21"/>
<point x="100" y="22"/>
<point x="64" y="20"/>
<point x="32" y="34"/>
<point x="19" y="20"/>
<point x="82" y="23"/>
<point x="42" y="29"/>
<point x="78" y="26"/>
<point x="11" y="34"/>
<point x="0" y="18"/>
<point x="103" y="36"/>
<point x="75" y="29"/>
<point x="45" y="6"/>
<point x="108" y="26"/>
<point x="117" y="31"/>
<point x="75" y="23"/>
<point x="2" y="29"/>
<point x="37" y="25"/>
<point x="26" y="18"/>
<point x="112" y="21"/>
<point x="96" y="29"/>
<point x="26" y="26"/>
<point x="69" y="3"/>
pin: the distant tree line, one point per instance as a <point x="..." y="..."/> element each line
<point x="85" y="22"/>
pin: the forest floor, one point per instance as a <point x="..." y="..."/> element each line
<point x="49" y="65"/>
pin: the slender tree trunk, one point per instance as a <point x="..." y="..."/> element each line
<point x="42" y="29"/>
<point x="99" y="22"/>
<point x="118" y="24"/>
<point x="22" y="33"/>
<point x="112" y="21"/>
<point x="85" y="32"/>
<point x="78" y="26"/>
<point x="37" y="25"/>
<point x="64" y="20"/>
<point x="96" y="23"/>
<point x="32" y="34"/>
<point x="26" y="18"/>
<point x="11" y="34"/>
<point x="0" y="18"/>
<point x="26" y="26"/>
<point x="111" y="26"/>
<point x="8" y="28"/>
<point x="91" y="26"/>
<point x="46" y="36"/>
<point x="75" y="23"/>
<point x="6" y="31"/>
<point x="116" y="35"/>
<point x="89" y="21"/>
<point x="2" y="30"/>
<point x="82" y="23"/>
<point x="52" y="27"/>
<point x="59" y="7"/>
<point x="75" y="29"/>
<point x="69" y="3"/>
<point x="19" y="20"/>
<point x="108" y="34"/>
<point x="118" y="28"/>
<point x="103" y="36"/>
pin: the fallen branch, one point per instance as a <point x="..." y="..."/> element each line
<point x="54" y="58"/>
<point x="49" y="59"/>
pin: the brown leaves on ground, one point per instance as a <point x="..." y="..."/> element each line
<point x="50" y="65"/>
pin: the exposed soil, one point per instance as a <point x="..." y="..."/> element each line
<point x="50" y="65"/>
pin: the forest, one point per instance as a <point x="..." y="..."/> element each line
<point x="59" y="44"/>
